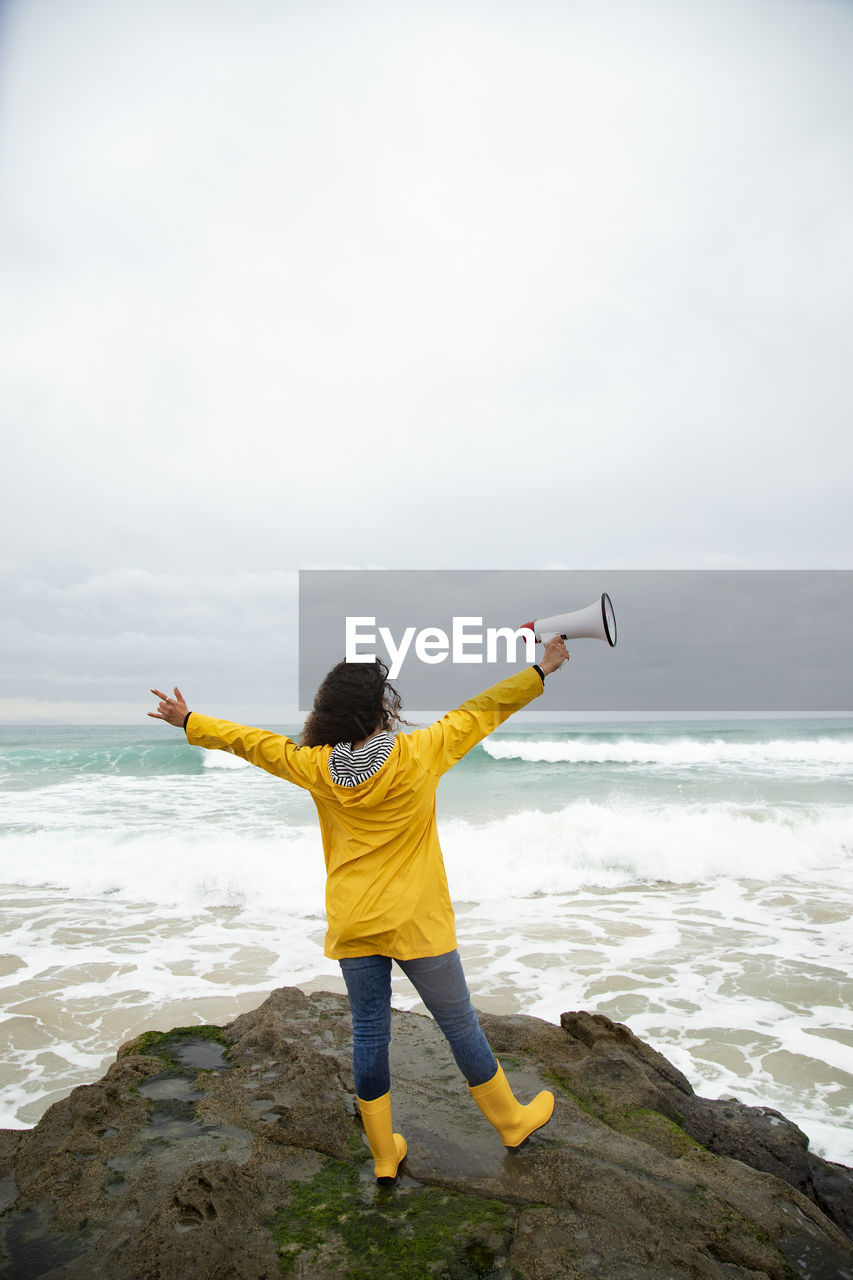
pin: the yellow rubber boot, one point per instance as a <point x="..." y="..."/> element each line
<point x="514" y="1122"/>
<point x="388" y="1148"/>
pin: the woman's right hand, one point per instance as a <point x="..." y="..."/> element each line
<point x="556" y="654"/>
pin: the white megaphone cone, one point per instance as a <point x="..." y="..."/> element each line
<point x="596" y="622"/>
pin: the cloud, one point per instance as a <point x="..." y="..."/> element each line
<point x="229" y="641"/>
<point x="425" y="286"/>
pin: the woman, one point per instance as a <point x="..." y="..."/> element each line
<point x="386" y="889"/>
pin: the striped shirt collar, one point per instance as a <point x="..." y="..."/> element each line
<point x="348" y="767"/>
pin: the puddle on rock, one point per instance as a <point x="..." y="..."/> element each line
<point x="172" y="1096"/>
<point x="199" y="1054"/>
<point x="168" y="1087"/>
<point x="33" y="1250"/>
<point x="172" y="1117"/>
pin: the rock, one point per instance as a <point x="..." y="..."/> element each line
<point x="236" y="1153"/>
<point x="759" y="1136"/>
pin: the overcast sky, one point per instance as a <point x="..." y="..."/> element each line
<point x="432" y="284"/>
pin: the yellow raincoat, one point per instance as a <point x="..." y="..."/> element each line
<point x="386" y="887"/>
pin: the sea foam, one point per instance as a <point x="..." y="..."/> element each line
<point x="678" y="753"/>
<point x="521" y="855"/>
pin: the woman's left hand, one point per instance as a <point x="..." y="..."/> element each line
<point x="172" y="710"/>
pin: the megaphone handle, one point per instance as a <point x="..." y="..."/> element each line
<point x="563" y="660"/>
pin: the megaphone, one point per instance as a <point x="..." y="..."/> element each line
<point x="596" y="622"/>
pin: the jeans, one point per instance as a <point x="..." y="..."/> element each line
<point x="440" y="983"/>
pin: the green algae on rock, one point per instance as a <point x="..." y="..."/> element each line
<point x="348" y="1225"/>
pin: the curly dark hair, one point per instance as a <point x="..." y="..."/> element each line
<point x="353" y="701"/>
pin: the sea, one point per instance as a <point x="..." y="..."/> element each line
<point x="691" y="879"/>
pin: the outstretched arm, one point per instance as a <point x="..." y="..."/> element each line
<point x="453" y="736"/>
<point x="172" y="710"/>
<point x="274" y="752"/>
